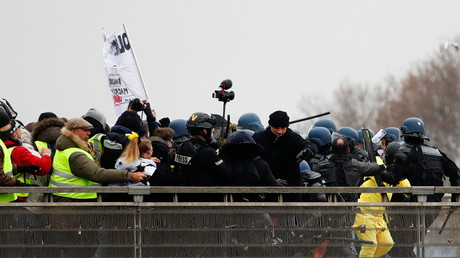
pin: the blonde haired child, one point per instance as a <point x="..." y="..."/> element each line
<point x="137" y="156"/>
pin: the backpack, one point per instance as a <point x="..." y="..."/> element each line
<point x="113" y="146"/>
<point x="5" y="106"/>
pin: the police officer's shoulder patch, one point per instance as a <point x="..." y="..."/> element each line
<point x="427" y="150"/>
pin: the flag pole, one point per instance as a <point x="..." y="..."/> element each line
<point x="137" y="65"/>
<point x="104" y="36"/>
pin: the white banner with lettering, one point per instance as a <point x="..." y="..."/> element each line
<point x="125" y="80"/>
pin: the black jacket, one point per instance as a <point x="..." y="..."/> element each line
<point x="201" y="166"/>
<point x="281" y="153"/>
<point x="354" y="170"/>
<point x="163" y="175"/>
<point x="248" y="169"/>
<point x="422" y="165"/>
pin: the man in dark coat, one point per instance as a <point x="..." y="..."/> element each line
<point x="283" y="150"/>
<point x="340" y="169"/>
<point x="248" y="169"/>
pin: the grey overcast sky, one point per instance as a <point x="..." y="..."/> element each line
<point x="273" y="51"/>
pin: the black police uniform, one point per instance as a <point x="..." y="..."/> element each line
<point x="314" y="161"/>
<point x="201" y="166"/>
<point x="422" y="165"/>
<point x="359" y="154"/>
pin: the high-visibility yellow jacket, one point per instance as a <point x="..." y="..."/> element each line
<point x="7" y="169"/>
<point x="63" y="176"/>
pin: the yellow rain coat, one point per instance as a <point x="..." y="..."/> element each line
<point x="372" y="224"/>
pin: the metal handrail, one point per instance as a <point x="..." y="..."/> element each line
<point x="145" y="190"/>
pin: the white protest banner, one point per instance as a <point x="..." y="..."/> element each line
<point x="125" y="80"/>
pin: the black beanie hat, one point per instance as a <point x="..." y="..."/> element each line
<point x="4" y="118"/>
<point x="279" y="119"/>
<point x="46" y="115"/>
<point x="130" y="120"/>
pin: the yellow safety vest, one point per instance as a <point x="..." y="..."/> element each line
<point x="7" y="169"/>
<point x="63" y="176"/>
<point x="40" y="145"/>
<point x="97" y="145"/>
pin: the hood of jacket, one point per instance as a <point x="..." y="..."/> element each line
<point x="242" y="144"/>
<point x="47" y="130"/>
<point x="120" y="129"/>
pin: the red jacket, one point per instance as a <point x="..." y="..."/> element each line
<point x="21" y="156"/>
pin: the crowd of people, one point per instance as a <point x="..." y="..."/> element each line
<point x="202" y="151"/>
<point x="205" y="150"/>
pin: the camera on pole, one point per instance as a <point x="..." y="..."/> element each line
<point x="225" y="96"/>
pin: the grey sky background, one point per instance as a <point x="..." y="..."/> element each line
<point x="275" y="52"/>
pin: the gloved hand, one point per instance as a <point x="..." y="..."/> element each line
<point x="28" y="169"/>
<point x="164" y="122"/>
<point x="281" y="182"/>
<point x="214" y="144"/>
<point x="146" y="105"/>
<point x="305" y="154"/>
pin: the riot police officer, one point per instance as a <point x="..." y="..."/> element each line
<point x="421" y="164"/>
<point x="327" y="123"/>
<point x="196" y="161"/>
<point x="250" y="121"/>
<point x="181" y="133"/>
<point x="353" y="138"/>
<point x="321" y="136"/>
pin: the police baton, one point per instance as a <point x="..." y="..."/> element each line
<point x="308" y="118"/>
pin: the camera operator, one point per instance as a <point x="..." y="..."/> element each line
<point x="132" y="120"/>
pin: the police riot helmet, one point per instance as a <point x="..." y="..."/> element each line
<point x="390" y="153"/>
<point x="320" y="136"/>
<point x="413" y="127"/>
<point x="304" y="167"/>
<point x="219" y="121"/>
<point x="328" y="123"/>
<point x="250" y="121"/>
<point x="393" y="134"/>
<point x="350" y="133"/>
<point x="179" y="127"/>
<point x="200" y="120"/>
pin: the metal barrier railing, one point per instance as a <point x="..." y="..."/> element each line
<point x="220" y="228"/>
<point x="420" y="191"/>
